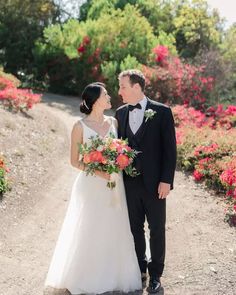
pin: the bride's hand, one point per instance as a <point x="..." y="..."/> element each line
<point x="103" y="175"/>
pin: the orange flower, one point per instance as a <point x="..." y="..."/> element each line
<point x="96" y="156"/>
<point x="87" y="159"/>
<point x="119" y="141"/>
<point x="104" y="161"/>
<point x="1" y="163"/>
<point x="123" y="148"/>
<point x="113" y="146"/>
<point x="122" y="161"/>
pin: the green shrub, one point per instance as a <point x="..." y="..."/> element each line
<point x="4" y="186"/>
<point x="77" y="53"/>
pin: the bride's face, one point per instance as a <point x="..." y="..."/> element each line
<point x="104" y="101"/>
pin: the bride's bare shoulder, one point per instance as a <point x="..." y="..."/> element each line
<point x="78" y="127"/>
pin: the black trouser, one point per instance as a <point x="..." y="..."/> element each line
<point x="140" y="204"/>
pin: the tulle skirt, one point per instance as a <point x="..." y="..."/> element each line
<point x="95" y="250"/>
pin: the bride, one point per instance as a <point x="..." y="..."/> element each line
<point x="95" y="250"/>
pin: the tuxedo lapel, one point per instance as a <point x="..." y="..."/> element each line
<point x="124" y="122"/>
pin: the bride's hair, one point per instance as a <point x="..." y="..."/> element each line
<point x="89" y="96"/>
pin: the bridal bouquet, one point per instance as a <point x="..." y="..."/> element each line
<point x="109" y="154"/>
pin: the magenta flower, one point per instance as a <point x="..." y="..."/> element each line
<point x="197" y="175"/>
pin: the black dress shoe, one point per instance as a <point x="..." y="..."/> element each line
<point x="154" y="285"/>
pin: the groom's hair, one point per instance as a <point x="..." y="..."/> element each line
<point x="135" y="76"/>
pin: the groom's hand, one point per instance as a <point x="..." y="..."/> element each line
<point x="163" y="190"/>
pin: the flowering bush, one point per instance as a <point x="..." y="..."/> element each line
<point x="96" y="50"/>
<point x="75" y="54"/>
<point x="14" y="98"/>
<point x="209" y="153"/>
<point x="222" y="118"/>
<point x="5" y="83"/>
<point x="4" y="186"/>
<point x="214" y="117"/>
<point x="161" y="53"/>
<point x="19" y="99"/>
<point x="174" y="81"/>
<point x="228" y="180"/>
<point x="8" y="80"/>
<point x="185" y="115"/>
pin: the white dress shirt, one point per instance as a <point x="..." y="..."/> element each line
<point x="136" y="116"/>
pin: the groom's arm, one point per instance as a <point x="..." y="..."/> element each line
<point x="168" y="141"/>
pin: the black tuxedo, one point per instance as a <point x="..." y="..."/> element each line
<point x="155" y="139"/>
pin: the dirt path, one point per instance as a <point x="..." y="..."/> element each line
<point x="201" y="248"/>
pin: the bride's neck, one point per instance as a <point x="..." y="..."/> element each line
<point x="96" y="115"/>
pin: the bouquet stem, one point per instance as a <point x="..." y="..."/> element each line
<point x="111" y="184"/>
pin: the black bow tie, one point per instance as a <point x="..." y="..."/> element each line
<point x="137" y="106"/>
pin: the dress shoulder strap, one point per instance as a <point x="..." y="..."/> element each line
<point x="84" y="126"/>
<point x="79" y="124"/>
<point x="113" y="121"/>
<point x="110" y="120"/>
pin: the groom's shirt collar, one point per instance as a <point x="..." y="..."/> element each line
<point x="143" y="103"/>
<point x="136" y="116"/>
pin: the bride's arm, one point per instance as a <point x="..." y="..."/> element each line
<point x="77" y="138"/>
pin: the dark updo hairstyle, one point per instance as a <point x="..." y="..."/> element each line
<point x="89" y="96"/>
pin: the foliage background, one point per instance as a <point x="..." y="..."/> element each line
<point x="62" y="45"/>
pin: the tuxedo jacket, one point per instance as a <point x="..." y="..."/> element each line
<point x="156" y="141"/>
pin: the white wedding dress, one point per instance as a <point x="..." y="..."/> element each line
<point x="95" y="250"/>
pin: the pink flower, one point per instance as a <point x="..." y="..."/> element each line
<point x="188" y="115"/>
<point x="228" y="177"/>
<point x="86" y="40"/>
<point x="231" y="110"/>
<point x="197" y="175"/>
<point x="19" y="98"/>
<point x="5" y="83"/>
<point x="179" y="136"/>
<point x="161" y="53"/>
<point x="81" y="49"/>
<point x="204" y="161"/>
<point x="205" y="149"/>
<point x="126" y="148"/>
<point x="229" y="193"/>
<point x="204" y="80"/>
<point x="122" y="147"/>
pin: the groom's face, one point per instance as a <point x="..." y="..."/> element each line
<point x="126" y="90"/>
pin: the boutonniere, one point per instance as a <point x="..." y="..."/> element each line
<point x="149" y="114"/>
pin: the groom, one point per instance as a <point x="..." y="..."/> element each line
<point x="149" y="127"/>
